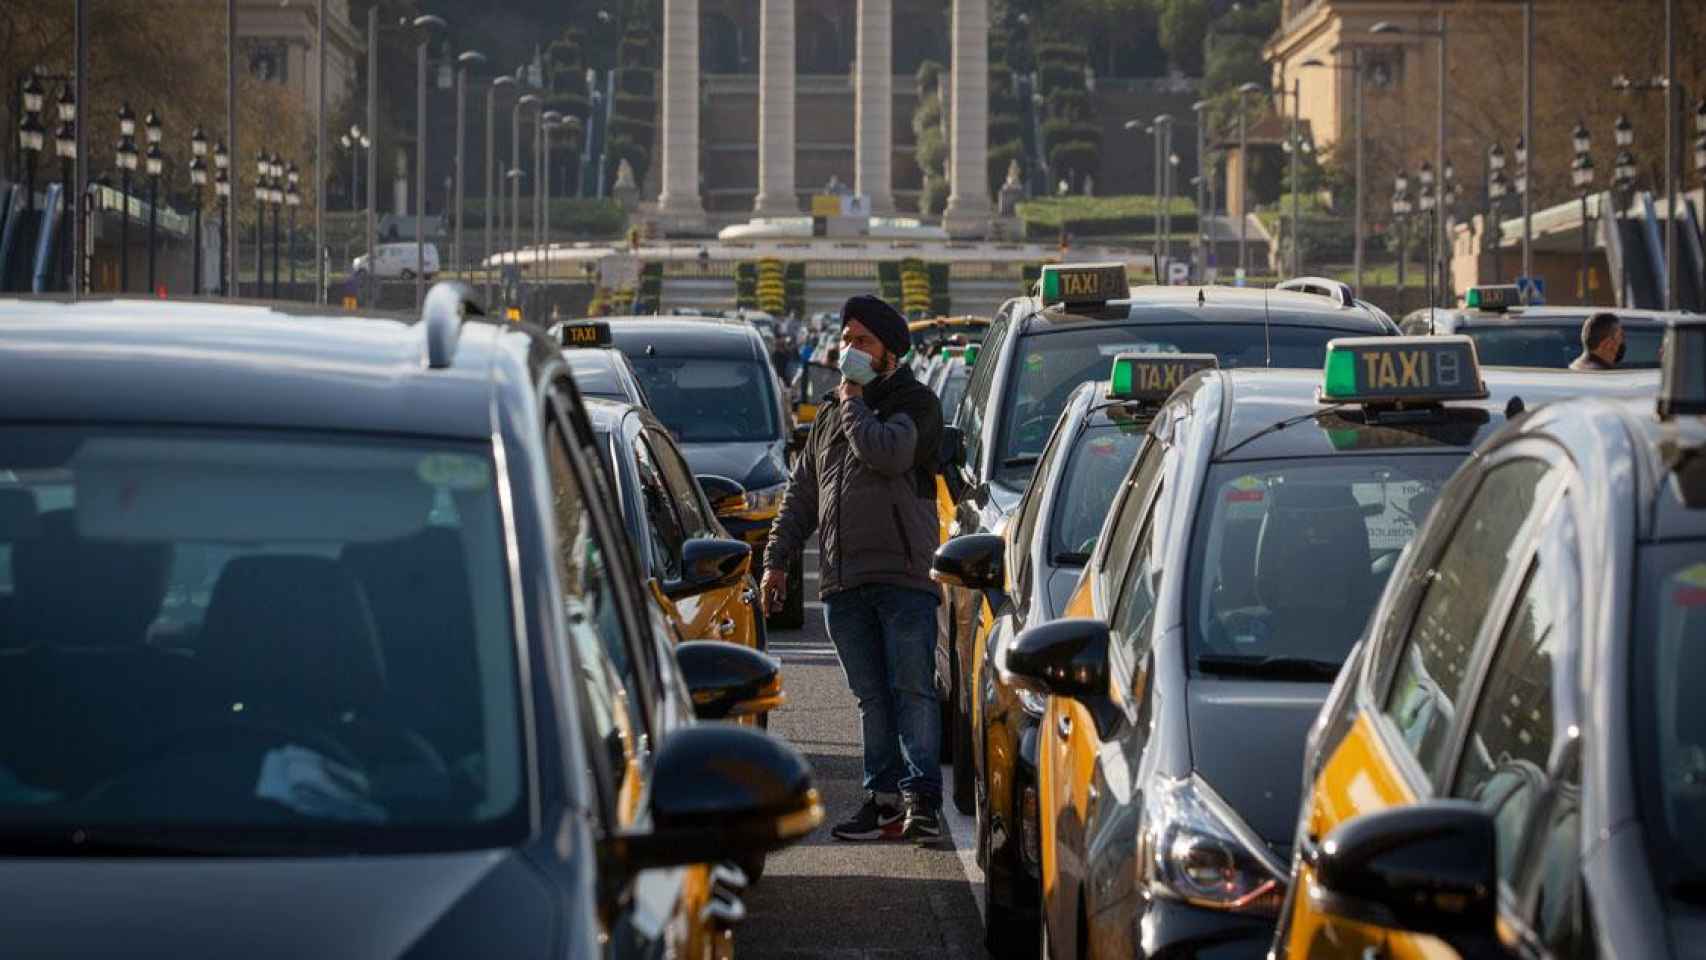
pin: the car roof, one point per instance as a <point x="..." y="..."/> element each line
<point x="1516" y="316"/>
<point x="686" y="336"/>
<point x="183" y="362"/>
<point x="1212" y="304"/>
<point x="606" y="414"/>
<point x="1255" y="399"/>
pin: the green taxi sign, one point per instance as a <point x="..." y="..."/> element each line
<point x="590" y="333"/>
<point x="1682" y="381"/>
<point x="1152" y="377"/>
<point x="1493" y="298"/>
<point x="1401" y="370"/>
<point x="1074" y="284"/>
<point x="971" y="354"/>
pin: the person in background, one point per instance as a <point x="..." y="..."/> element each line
<point x="1602" y="343"/>
<point x="865" y="484"/>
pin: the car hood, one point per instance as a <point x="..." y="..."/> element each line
<point x="753" y="465"/>
<point x="1247" y="742"/>
<point x="417" y="906"/>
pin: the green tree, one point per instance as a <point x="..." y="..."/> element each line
<point x="1184" y="27"/>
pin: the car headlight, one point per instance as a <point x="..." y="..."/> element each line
<point x="1032" y="702"/>
<point x="1197" y="849"/>
<point x="766" y="500"/>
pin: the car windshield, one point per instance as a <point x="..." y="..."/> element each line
<point x="954" y="389"/>
<point x="709" y="400"/>
<point x="1291" y="555"/>
<point x="1051" y="364"/>
<point x="1669" y="732"/>
<point x="595" y="373"/>
<point x="1555" y="345"/>
<point x="284" y="642"/>
<point x="1097" y="465"/>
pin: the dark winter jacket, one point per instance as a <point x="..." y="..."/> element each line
<point x="865" y="483"/>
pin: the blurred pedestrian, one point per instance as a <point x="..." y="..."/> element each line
<point x="1602" y="343"/>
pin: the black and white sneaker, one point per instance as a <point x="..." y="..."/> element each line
<point x="878" y="818"/>
<point x="923" y="820"/>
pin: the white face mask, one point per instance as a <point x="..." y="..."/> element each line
<point x="857" y="366"/>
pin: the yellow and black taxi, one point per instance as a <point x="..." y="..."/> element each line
<point x="1039" y="349"/>
<point x="674" y="530"/>
<point x="600" y="370"/>
<point x="1028" y="573"/>
<point x="334" y="611"/>
<point x="1236" y="568"/>
<point x="1508" y="332"/>
<point x="931" y="336"/>
<point x="1510" y="764"/>
<point x="710" y="381"/>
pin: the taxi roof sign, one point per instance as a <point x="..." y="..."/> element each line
<point x="1494" y="298"/>
<point x="1682" y="382"/>
<point x="590" y="333"/>
<point x="1083" y="283"/>
<point x="971" y="354"/>
<point x="1152" y="377"/>
<point x="1393" y="371"/>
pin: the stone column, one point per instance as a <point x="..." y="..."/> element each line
<point x="679" y="204"/>
<point x="776" y="197"/>
<point x="873" y="105"/>
<point x="968" y="211"/>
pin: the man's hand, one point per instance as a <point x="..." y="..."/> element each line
<point x="773" y="589"/>
<point x="848" y="390"/>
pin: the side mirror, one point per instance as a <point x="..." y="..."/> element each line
<point x="708" y="563"/>
<point x="728" y="680"/>
<point x="975" y="561"/>
<point x="720" y="792"/>
<point x="1427" y="868"/>
<point x="1067" y="658"/>
<point x="726" y="496"/>
<point x="952" y="453"/>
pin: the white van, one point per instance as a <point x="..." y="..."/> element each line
<point x="398" y="260"/>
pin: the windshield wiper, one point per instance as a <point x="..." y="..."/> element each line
<point x="1027" y="460"/>
<point x="1072" y="558"/>
<point x="98" y="842"/>
<point x="1268" y="668"/>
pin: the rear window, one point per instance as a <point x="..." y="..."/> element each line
<point x="1556" y="345"/>
<point x="595" y="374"/>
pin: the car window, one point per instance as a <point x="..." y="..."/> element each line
<point x="1433" y="663"/>
<point x="663" y="526"/>
<point x="595" y="374"/>
<point x="1127" y="516"/>
<point x="1555" y="345"/>
<point x="608" y="685"/>
<point x="1030" y="508"/>
<point x="1100" y="460"/>
<point x="1503" y="765"/>
<point x="1135" y="606"/>
<point x="953" y="390"/>
<point x="970" y="417"/>
<point x="711" y="400"/>
<point x="696" y="520"/>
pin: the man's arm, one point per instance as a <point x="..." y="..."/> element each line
<point x="890" y="446"/>
<point x="797" y="519"/>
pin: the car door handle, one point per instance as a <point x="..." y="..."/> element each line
<point x="1064" y="726"/>
<point x="726" y="627"/>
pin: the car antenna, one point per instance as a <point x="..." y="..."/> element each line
<point x="1267" y="338"/>
<point x="1199" y="297"/>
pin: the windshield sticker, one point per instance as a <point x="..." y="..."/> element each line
<point x="1033" y="362"/>
<point x="454" y="471"/>
<point x="1114" y="349"/>
<point x="1690" y="586"/>
<point x="1245" y="489"/>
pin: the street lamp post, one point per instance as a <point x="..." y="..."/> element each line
<point x="355" y="142"/>
<point x="263" y="194"/>
<point x="1355" y="68"/>
<point x="1200" y="181"/>
<point x="1581" y="176"/>
<point x="32" y="138"/>
<point x="1400" y="213"/>
<point x="65" y="146"/>
<point x="1498" y="186"/>
<point x="521" y="103"/>
<point x="1244" y="182"/>
<point x="425" y="26"/>
<point x="1623" y="180"/>
<point x="1426" y="200"/>
<point x="222" y="188"/>
<point x="1520" y="155"/>
<point x="198" y="180"/>
<point x="500" y="82"/>
<point x="126" y="156"/>
<point x="465" y="60"/>
<point x="155" y="162"/>
<point x="550" y="122"/>
<point x="275" y="196"/>
<point x="1700" y="138"/>
<point x="292" y="199"/>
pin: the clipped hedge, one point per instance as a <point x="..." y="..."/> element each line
<point x="1075" y="156"/>
<point x="1069" y="104"/>
<point x="1004" y="127"/>
<point x="1070" y="54"/>
<point x="637" y="81"/>
<point x="1054" y="76"/>
<point x="1058" y="132"/>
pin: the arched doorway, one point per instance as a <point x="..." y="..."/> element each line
<point x="822" y="43"/>
<point x="719" y="44"/>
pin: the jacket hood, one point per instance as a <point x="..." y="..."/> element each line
<point x="1247" y="742"/>
<point x="380" y="907"/>
<point x="752" y="464"/>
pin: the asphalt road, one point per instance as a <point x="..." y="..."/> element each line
<point x="848" y="901"/>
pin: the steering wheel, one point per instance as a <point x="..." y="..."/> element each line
<point x="217" y="748"/>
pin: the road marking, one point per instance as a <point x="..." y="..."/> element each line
<point x="964" y="831"/>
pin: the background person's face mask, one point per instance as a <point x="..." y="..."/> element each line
<point x="858" y="366"/>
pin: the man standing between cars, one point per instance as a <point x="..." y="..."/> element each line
<point x="865" y="484"/>
<point x="1602" y="343"/>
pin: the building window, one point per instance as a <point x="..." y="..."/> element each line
<point x="269" y="60"/>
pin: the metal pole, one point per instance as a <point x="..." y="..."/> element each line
<point x="545" y="205"/>
<point x="292" y="251"/>
<point x="260" y="247"/>
<point x="69" y="202"/>
<point x="275" y="246"/>
<point x="1202" y="186"/>
<point x="1403" y="254"/>
<point x="195" y="233"/>
<point x="1243" y="197"/>
<point x="1437" y="239"/>
<point x="1584" y="246"/>
<point x="1673" y="106"/>
<point x="1528" y="136"/>
<point x="80" y="240"/>
<point x="1156" y="130"/>
<point x="224" y="232"/>
<point x="373" y="131"/>
<point x="124" y="233"/>
<point x="1296" y="148"/>
<point x="461" y="176"/>
<point x="490" y="203"/>
<point x="230" y="227"/>
<point x="1356" y="79"/>
<point x="515" y="183"/>
<point x="319" y="165"/>
<point x="153" y="225"/>
<point x="420" y="170"/>
<point x="538" y="206"/>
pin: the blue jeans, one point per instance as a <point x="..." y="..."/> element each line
<point x="886" y="638"/>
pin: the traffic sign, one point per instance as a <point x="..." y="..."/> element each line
<point x="1178" y="272"/>
<point x="1531" y="290"/>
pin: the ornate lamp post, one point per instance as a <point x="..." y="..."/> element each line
<point x="354" y="141"/>
<point x="292" y="199"/>
<point x="65" y="146"/>
<point x="222" y="187"/>
<point x="1400" y="214"/>
<point x="198" y="180"/>
<point x="275" y="196"/>
<point x="155" y="162"/>
<point x="1581" y="177"/>
<point x="126" y="156"/>
<point x="263" y="194"/>
<point x="32" y="137"/>
<point x="1425" y="202"/>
